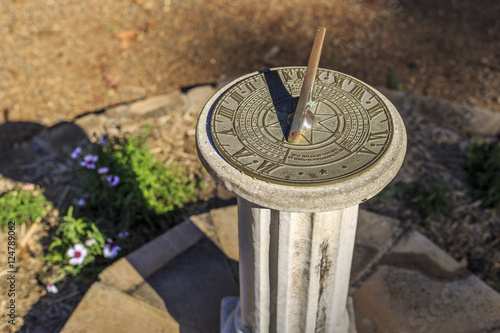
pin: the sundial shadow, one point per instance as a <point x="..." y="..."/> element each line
<point x="284" y="103"/>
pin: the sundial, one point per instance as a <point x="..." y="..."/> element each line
<point x="252" y="126"/>
<point x="250" y="123"/>
<point x="287" y="128"/>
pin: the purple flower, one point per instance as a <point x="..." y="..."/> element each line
<point x="113" y="180"/>
<point x="89" y="161"/>
<point x="497" y="137"/>
<point x="77" y="254"/>
<point x="52" y="289"/>
<point x="80" y="202"/>
<point x="76" y="153"/>
<point x="102" y="139"/>
<point x="110" y="250"/>
<point x="102" y="171"/>
<point x="123" y="234"/>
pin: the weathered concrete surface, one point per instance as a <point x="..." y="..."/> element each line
<point x="374" y="236"/>
<point x="221" y="226"/>
<point x="129" y="274"/>
<point x="419" y="288"/>
<point x="108" y="310"/>
<point x="194" y="284"/>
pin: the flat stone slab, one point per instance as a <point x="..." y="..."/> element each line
<point x="194" y="284"/>
<point x="221" y="226"/>
<point x="374" y="236"/>
<point x="129" y="274"/>
<point x="417" y="287"/>
<point x="108" y="310"/>
<point x="413" y="287"/>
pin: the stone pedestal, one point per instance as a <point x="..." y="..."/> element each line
<point x="294" y="269"/>
<point x="296" y="242"/>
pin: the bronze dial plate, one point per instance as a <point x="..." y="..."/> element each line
<point x="249" y="123"/>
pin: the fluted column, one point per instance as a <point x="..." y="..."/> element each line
<point x="294" y="269"/>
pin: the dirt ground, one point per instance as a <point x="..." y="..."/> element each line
<point x="60" y="59"/>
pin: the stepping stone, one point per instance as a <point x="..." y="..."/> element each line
<point x="129" y="274"/>
<point x="108" y="310"/>
<point x="157" y="106"/>
<point x="417" y="287"/>
<point x="221" y="226"/>
<point x="194" y="284"/>
<point x="374" y="236"/>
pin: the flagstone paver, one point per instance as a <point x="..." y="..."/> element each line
<point x="129" y="272"/>
<point x="194" y="284"/>
<point x="225" y="221"/>
<point x="417" y="287"/>
<point x="374" y="236"/>
<point x="447" y="114"/>
<point x="106" y="309"/>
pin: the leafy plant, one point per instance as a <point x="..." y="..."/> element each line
<point x="428" y="199"/>
<point x="146" y="191"/>
<point x="424" y="198"/>
<point x="22" y="206"/>
<point x="74" y="231"/>
<point x="483" y="165"/>
<point x="393" y="81"/>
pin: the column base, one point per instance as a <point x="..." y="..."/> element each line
<point x="230" y="316"/>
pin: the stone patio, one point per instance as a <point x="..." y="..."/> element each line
<point x="400" y="282"/>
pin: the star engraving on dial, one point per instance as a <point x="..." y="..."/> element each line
<point x="278" y="123"/>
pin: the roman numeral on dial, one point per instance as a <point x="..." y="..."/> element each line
<point x="243" y="152"/>
<point x="268" y="167"/>
<point x="378" y="136"/>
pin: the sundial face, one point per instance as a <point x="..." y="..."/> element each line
<point x="250" y="121"/>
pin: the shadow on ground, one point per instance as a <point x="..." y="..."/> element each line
<point x="194" y="284"/>
<point x="44" y="160"/>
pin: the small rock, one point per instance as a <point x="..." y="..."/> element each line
<point x="158" y="105"/>
<point x="198" y="97"/>
<point x="91" y="124"/>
